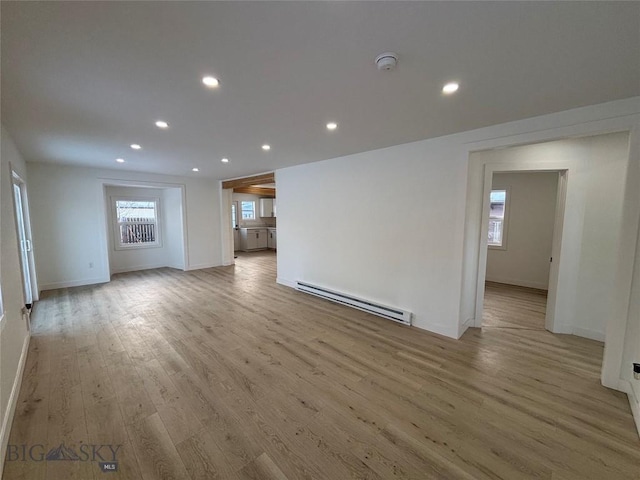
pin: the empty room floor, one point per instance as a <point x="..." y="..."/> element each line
<point x="511" y="306"/>
<point x="223" y="374"/>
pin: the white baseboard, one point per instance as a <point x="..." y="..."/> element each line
<point x="286" y="283"/>
<point x="519" y="283"/>
<point x="563" y="329"/>
<point x="634" y="401"/>
<point x="201" y="266"/>
<point x="136" y="268"/>
<point x="468" y="323"/>
<point x="73" y="283"/>
<point x="579" y="332"/>
<point x="13" y="401"/>
<point x="587" y="333"/>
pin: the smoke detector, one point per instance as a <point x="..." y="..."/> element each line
<point x="386" y="61"/>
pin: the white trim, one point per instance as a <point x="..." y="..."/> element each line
<point x="201" y="266"/>
<point x="467" y="323"/>
<point x="556" y="244"/>
<point x="286" y="283"/>
<point x="74" y="283"/>
<point x="588" y="333"/>
<point x="538" y="165"/>
<point x="13" y="401"/>
<point x="634" y="402"/>
<point x="564" y="329"/>
<point x="518" y="283"/>
<point x="136" y="268"/>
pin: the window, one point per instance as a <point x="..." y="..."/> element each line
<point x="136" y="223"/>
<point x="248" y="209"/>
<point x="497" y="210"/>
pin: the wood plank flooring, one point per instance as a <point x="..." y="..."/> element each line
<point x="222" y="374"/>
<point x="511" y="306"/>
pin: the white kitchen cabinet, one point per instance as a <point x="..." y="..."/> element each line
<point x="253" y="239"/>
<point x="272" y="240"/>
<point x="267" y="207"/>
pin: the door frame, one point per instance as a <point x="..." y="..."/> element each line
<point x="16" y="180"/>
<point x="558" y="224"/>
<point x="563" y="168"/>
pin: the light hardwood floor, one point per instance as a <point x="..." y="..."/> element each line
<point x="221" y="373"/>
<point x="510" y="306"/>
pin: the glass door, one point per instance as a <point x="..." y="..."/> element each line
<point x="24" y="240"/>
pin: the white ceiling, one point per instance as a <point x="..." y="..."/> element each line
<point x="83" y="80"/>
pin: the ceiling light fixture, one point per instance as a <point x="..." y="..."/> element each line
<point x="450" y="88"/>
<point x="266" y="147"/>
<point x="120" y="160"/>
<point x="195" y="169"/>
<point x="162" y="124"/>
<point x="332" y="126"/>
<point x="135" y="146"/>
<point x="211" y="82"/>
<point x="225" y="160"/>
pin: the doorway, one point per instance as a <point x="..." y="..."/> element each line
<point x="25" y="245"/>
<point x="522" y="211"/>
<point x="250" y="204"/>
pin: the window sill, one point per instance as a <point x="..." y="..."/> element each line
<point x="137" y="246"/>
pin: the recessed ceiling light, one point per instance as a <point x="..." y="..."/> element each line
<point x="225" y="160"/>
<point x="266" y="147"/>
<point x="135" y="146"/>
<point x="211" y="82"/>
<point x="450" y="88"/>
<point x="120" y="160"/>
<point x="332" y="126"/>
<point x="195" y="169"/>
<point x="162" y="124"/>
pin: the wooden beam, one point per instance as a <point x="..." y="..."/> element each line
<point x="248" y="181"/>
<point x="262" y="191"/>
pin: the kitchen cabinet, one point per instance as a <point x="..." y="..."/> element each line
<point x="272" y="240"/>
<point x="253" y="239"/>
<point x="268" y="207"/>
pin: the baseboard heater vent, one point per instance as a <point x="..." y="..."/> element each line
<point x="395" y="314"/>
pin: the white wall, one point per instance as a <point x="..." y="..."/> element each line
<point x="531" y="212"/>
<point x="137" y="258"/>
<point x="14" y="335"/>
<point x="385" y="225"/>
<point x="60" y="195"/>
<point x="401" y="225"/>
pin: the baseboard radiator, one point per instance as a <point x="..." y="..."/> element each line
<point x="395" y="314"/>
